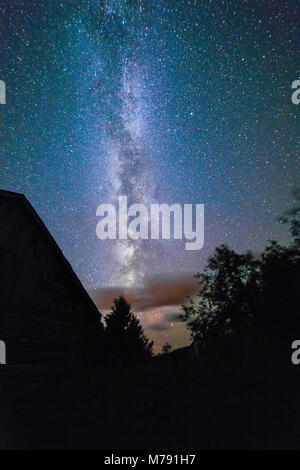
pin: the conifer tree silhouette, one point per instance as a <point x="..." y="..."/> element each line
<point x="125" y="335"/>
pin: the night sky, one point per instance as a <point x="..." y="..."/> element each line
<point x="162" y="101"/>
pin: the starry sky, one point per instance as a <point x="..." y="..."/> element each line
<point x="162" y="101"/>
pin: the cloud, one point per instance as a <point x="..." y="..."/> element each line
<point x="157" y="305"/>
<point x="156" y="293"/>
<point x="172" y="317"/>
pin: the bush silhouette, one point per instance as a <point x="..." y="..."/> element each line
<point x="166" y="348"/>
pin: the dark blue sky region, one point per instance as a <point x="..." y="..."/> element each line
<point x="163" y="101"/>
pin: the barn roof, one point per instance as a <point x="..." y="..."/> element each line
<point x="20" y="198"/>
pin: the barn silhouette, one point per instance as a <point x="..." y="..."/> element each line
<point x="46" y="316"/>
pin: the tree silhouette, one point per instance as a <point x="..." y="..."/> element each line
<point x="125" y="336"/>
<point x="166" y="348"/>
<point x="243" y="294"/>
<point x="292" y="217"/>
<point x="226" y="299"/>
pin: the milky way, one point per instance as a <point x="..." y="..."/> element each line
<point x="130" y="171"/>
<point x="162" y="101"/>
